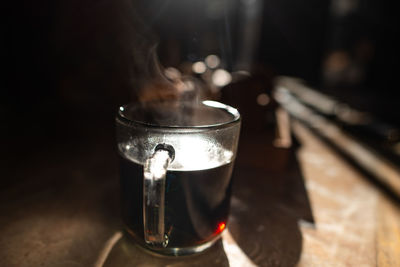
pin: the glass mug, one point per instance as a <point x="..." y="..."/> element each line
<point x="176" y="161"/>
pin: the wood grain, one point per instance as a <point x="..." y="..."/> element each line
<point x="388" y="234"/>
<point x="355" y="223"/>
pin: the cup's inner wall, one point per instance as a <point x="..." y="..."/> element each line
<point x="176" y="114"/>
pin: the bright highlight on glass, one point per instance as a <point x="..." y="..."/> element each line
<point x="215" y="104"/>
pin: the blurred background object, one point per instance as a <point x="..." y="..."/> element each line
<point x="98" y="54"/>
<point x="365" y="141"/>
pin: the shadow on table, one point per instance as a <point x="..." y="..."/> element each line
<point x="269" y="199"/>
<point x="127" y="253"/>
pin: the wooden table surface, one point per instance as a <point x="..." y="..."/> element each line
<point x="302" y="206"/>
<point x="355" y="223"/>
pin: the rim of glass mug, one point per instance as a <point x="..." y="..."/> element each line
<point x="208" y="103"/>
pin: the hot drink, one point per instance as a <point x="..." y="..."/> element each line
<point x="176" y="161"/>
<point x="196" y="200"/>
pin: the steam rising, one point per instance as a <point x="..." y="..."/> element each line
<point x="187" y="77"/>
<point x="156" y="83"/>
<point x="180" y="114"/>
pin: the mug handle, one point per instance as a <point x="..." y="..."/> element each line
<point x="154" y="176"/>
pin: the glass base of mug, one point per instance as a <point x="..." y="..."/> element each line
<point x="173" y="251"/>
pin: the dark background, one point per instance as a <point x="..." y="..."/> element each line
<point x="67" y="65"/>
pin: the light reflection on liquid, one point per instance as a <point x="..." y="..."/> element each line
<point x="193" y="153"/>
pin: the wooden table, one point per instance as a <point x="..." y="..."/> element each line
<point x="303" y="205"/>
<point x="355" y="223"/>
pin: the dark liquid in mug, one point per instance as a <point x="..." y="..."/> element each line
<point x="196" y="202"/>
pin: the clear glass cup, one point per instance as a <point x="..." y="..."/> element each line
<point x="176" y="161"/>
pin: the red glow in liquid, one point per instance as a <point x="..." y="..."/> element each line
<point x="221" y="227"/>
